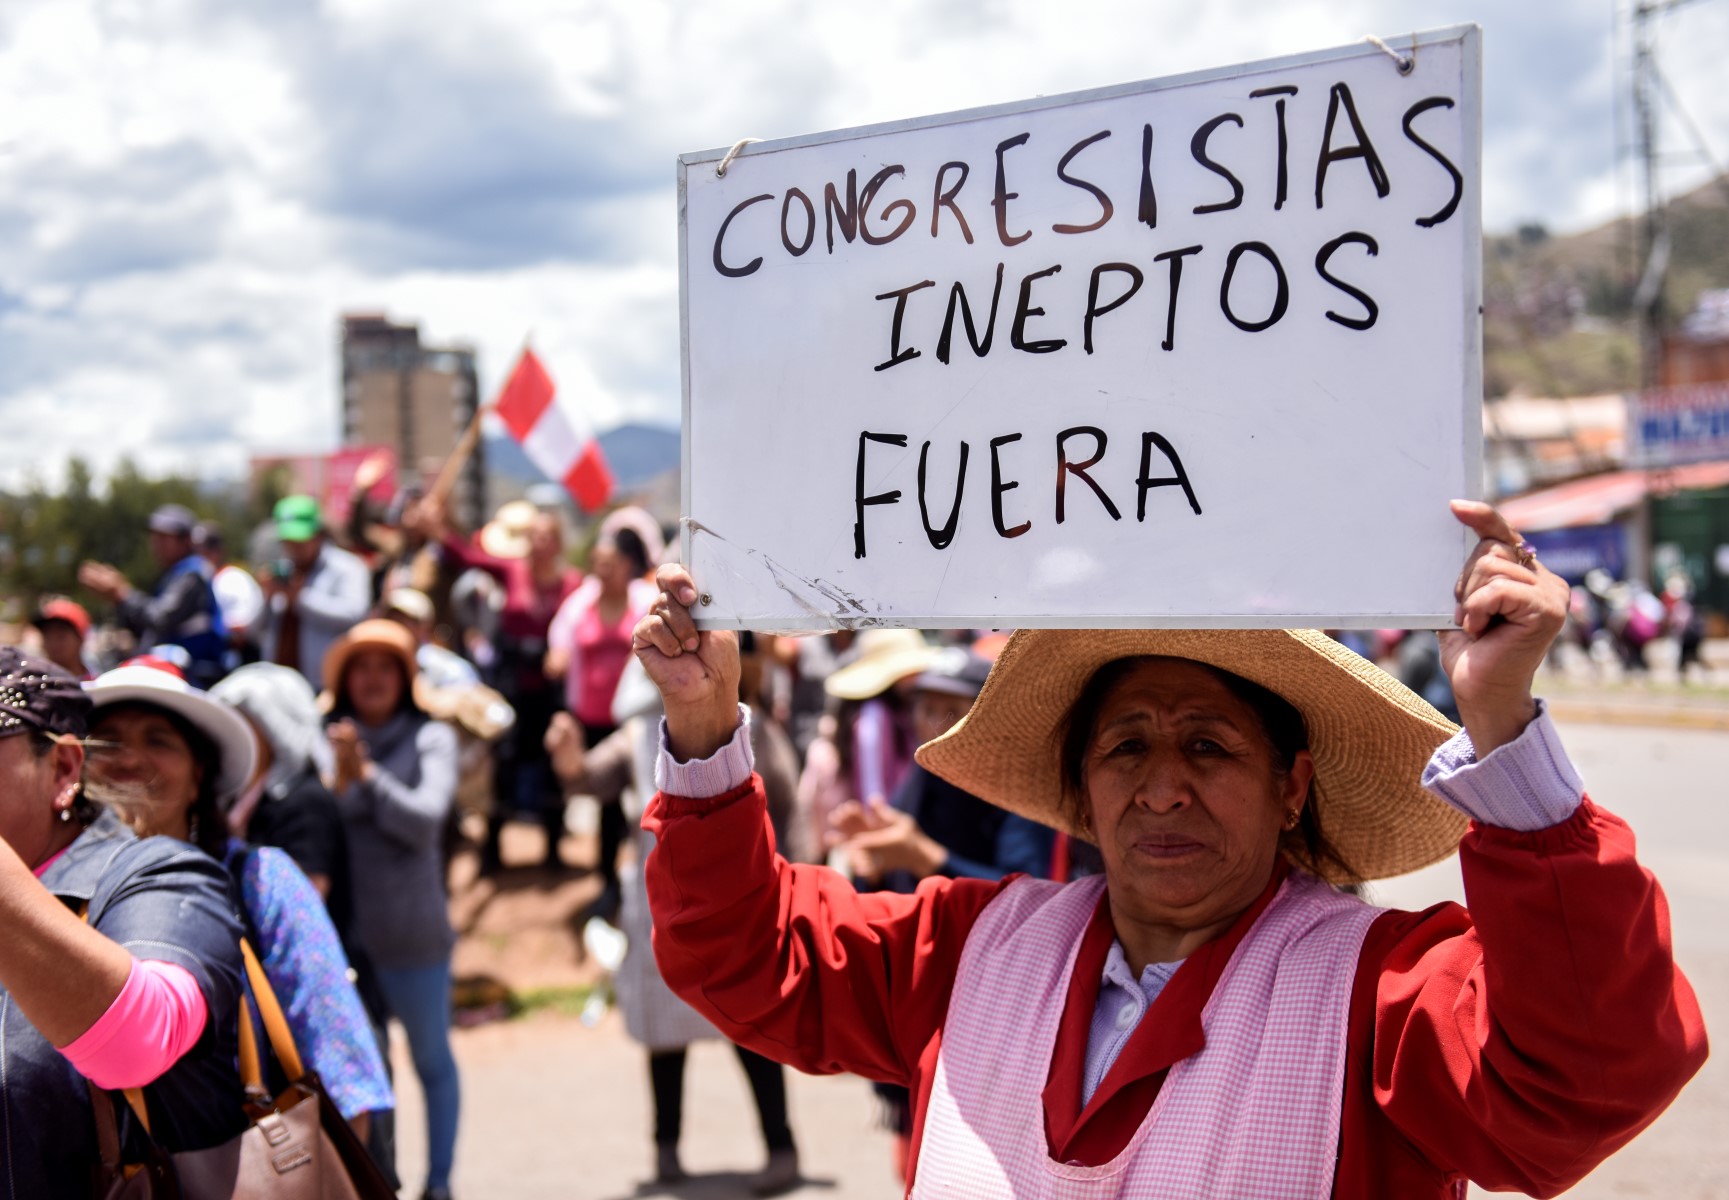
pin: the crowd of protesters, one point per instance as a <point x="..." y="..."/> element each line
<point x="284" y="749"/>
<point x="307" y="729"/>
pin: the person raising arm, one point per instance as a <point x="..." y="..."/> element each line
<point x="121" y="964"/>
<point x="1297" y="1040"/>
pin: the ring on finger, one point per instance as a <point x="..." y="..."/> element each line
<point x="1527" y="554"/>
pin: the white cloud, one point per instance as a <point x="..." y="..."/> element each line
<point x="191" y="192"/>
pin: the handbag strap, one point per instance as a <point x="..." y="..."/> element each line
<point x="275" y="1023"/>
<point x="107" y="1132"/>
<point x="111" y="1164"/>
<point x="251" y="1066"/>
<point x="135" y="1097"/>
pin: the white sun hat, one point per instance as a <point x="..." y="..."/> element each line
<point x="158" y="682"/>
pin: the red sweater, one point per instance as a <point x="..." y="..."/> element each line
<point x="1517" y="1045"/>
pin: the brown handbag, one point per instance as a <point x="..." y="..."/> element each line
<point x="298" y="1146"/>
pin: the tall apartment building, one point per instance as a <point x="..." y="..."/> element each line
<point x="399" y="392"/>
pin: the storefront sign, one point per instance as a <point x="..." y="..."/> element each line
<point x="1667" y="427"/>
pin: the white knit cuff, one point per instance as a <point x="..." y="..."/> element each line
<point x="1526" y="785"/>
<point x="728" y="768"/>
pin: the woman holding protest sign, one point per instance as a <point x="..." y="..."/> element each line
<point x="1210" y="1017"/>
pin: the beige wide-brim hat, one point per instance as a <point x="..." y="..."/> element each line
<point x="1369" y="734"/>
<point x="506" y="535"/>
<point x="885" y="657"/>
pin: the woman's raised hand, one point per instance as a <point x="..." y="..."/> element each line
<point x="350" y="754"/>
<point x="696" y="671"/>
<point x="1509" y="609"/>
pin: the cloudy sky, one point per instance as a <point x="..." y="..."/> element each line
<point x="192" y="191"/>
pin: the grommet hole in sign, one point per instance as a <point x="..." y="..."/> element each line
<point x="725" y="162"/>
<point x="1405" y="62"/>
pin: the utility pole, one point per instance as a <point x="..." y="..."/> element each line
<point x="1648" y="88"/>
<point x="1654" y="255"/>
<point x="1654" y="245"/>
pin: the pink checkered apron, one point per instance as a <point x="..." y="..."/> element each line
<point x="1254" y="1115"/>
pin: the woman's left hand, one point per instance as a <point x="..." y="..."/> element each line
<point x="1509" y="610"/>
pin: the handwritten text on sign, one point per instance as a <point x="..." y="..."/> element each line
<point x="1149" y="356"/>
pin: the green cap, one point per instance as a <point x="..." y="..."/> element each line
<point x="296" y="519"/>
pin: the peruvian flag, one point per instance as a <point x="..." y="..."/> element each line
<point x="553" y="434"/>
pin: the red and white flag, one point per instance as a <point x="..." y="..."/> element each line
<point x="553" y="433"/>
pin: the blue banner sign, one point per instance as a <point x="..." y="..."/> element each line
<point x="1571" y="553"/>
<point x="1667" y="427"/>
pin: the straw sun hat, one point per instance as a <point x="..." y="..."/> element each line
<point x="507" y="534"/>
<point x="1369" y="734"/>
<point x="884" y="658"/>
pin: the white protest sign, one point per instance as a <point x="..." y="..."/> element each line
<point x="1197" y="351"/>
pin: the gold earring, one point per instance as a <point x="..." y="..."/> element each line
<point x="1291" y="818"/>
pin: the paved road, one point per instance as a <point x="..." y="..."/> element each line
<point x="1672" y="787"/>
<point x="556" y="1111"/>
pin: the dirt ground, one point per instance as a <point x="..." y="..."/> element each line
<point x="523" y="925"/>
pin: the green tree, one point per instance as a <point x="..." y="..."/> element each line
<point x="45" y="534"/>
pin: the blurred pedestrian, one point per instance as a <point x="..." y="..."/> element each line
<point x="931" y="827"/>
<point x="182" y="609"/>
<point x="392" y="539"/>
<point x="287" y="806"/>
<point x="523" y="549"/>
<point x="63" y="625"/>
<point x="439" y="667"/>
<point x="1683" y="622"/>
<point x="476" y="602"/>
<point x="237" y="594"/>
<point x="875" y="675"/>
<point x="143" y="992"/>
<point x="588" y="645"/>
<point x="813" y="659"/>
<point x="314" y="593"/>
<point x="623" y="764"/>
<point x="449" y="688"/>
<point x="1418" y="652"/>
<point x="172" y="761"/>
<point x="395" y="778"/>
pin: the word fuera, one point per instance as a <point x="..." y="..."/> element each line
<point x="1066" y="465"/>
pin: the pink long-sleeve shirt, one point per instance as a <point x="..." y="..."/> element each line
<point x="158" y="1016"/>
